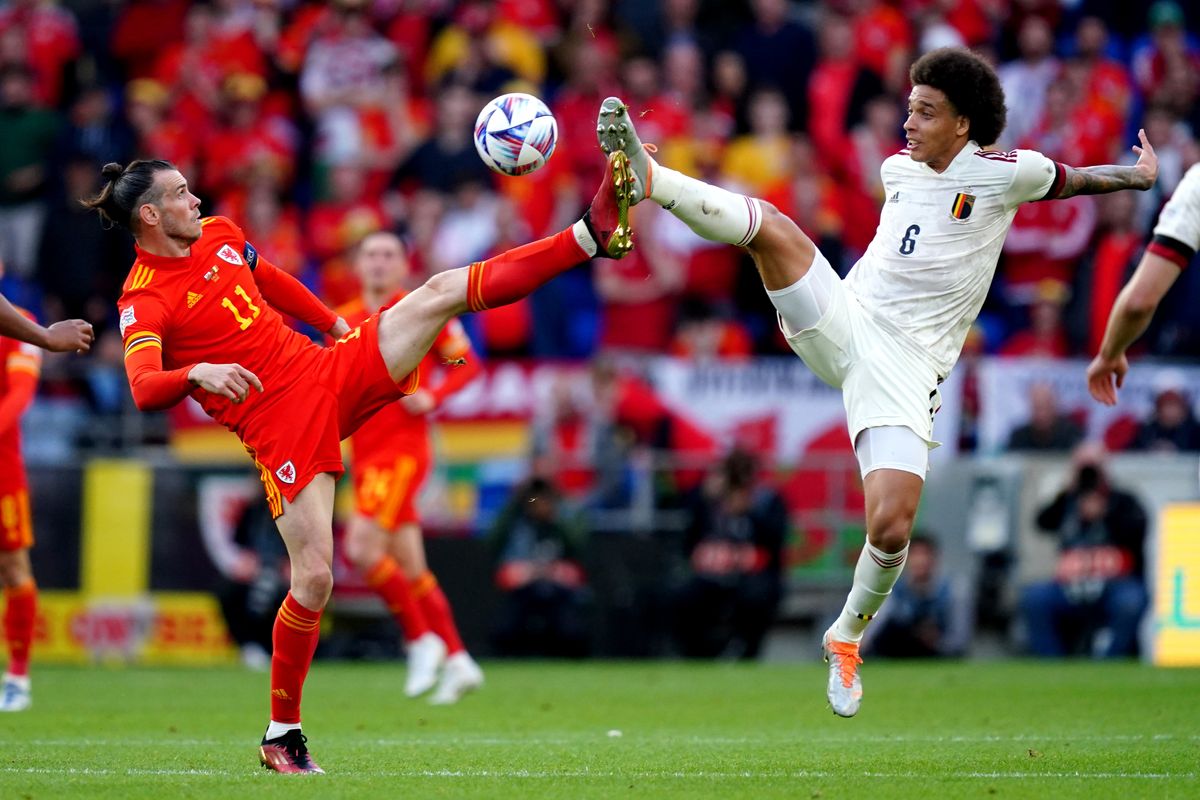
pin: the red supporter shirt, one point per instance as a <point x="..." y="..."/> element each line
<point x="18" y="383"/>
<point x="393" y="429"/>
<point x="216" y="305"/>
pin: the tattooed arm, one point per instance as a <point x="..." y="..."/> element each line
<point x="1111" y="178"/>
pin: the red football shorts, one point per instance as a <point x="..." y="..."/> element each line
<point x="386" y="491"/>
<point x="332" y="391"/>
<point x="16" y="523"/>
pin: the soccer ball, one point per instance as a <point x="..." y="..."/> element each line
<point x="515" y="134"/>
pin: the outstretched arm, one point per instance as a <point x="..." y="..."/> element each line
<point x="1130" y="316"/>
<point x="1112" y="178"/>
<point x="65" y="336"/>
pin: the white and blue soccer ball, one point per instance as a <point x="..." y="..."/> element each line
<point x="515" y="134"/>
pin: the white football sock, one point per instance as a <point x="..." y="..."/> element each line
<point x="277" y="729"/>
<point x="712" y="212"/>
<point x="584" y="238"/>
<point x="874" y="577"/>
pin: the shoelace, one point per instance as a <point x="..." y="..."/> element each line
<point x="848" y="661"/>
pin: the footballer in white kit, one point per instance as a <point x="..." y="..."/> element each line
<point x="891" y="331"/>
<point x="1176" y="240"/>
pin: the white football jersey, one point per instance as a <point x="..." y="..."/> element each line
<point x="928" y="269"/>
<point x="1180" y="217"/>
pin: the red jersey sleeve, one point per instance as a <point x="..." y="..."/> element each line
<point x="22" y="368"/>
<point x="454" y="349"/>
<point x="143" y="319"/>
<point x="289" y="295"/>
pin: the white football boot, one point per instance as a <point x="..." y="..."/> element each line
<point x="460" y="675"/>
<point x="425" y="656"/>
<point x="845" y="684"/>
<point x="615" y="132"/>
<point x="15" y="695"/>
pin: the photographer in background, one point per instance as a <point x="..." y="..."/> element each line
<point x="734" y="546"/>
<point x="927" y="615"/>
<point x="1098" y="585"/>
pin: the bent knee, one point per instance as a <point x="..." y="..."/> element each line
<point x="312" y="584"/>
<point x="890" y="529"/>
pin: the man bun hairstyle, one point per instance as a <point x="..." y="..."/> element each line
<point x="971" y="86"/>
<point x="126" y="189"/>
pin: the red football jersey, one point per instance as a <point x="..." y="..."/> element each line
<point x="207" y="307"/>
<point x="392" y="429"/>
<point x="18" y="381"/>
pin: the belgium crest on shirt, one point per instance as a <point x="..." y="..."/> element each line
<point x="962" y="206"/>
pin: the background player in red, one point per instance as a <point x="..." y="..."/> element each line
<point x="200" y="316"/>
<point x="390" y="458"/>
<point x="18" y="383"/>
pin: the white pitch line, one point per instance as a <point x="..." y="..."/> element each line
<point x="575" y="737"/>
<point x="639" y="775"/>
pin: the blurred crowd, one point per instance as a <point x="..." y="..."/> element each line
<point x="314" y="123"/>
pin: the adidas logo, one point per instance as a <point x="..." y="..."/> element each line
<point x="281" y="694"/>
<point x="895" y="198"/>
<point x="193" y="298"/>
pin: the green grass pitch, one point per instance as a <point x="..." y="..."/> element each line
<point x="947" y="730"/>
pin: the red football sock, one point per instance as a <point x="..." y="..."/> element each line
<point x="295" y="640"/>
<point x="514" y="274"/>
<point x="436" y="608"/>
<point x="389" y="582"/>
<point x="18" y="625"/>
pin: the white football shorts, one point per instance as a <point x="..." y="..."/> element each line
<point x="884" y="378"/>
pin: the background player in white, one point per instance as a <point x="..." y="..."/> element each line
<point x="890" y="333"/>
<point x="1176" y="240"/>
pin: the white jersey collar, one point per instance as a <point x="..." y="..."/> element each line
<point x="969" y="149"/>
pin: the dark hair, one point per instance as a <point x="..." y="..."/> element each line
<point x="127" y="188"/>
<point x="971" y="86"/>
<point x="740" y="468"/>
<point x="922" y="539"/>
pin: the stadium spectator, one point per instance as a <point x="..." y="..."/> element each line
<point x="49" y="36"/>
<point x="1172" y="428"/>
<point x="545" y="590"/>
<point x="94" y="129"/>
<point x="484" y="51"/>
<point x="344" y="73"/>
<point x="1045" y="336"/>
<point x="1098" y="281"/>
<point x="1098" y="587"/>
<point x="839" y="86"/>
<point x="734" y="546"/>
<point x="147" y="110"/>
<point x="29" y="133"/>
<point x="1047" y="429"/>
<point x="639" y="295"/>
<point x="1167" y="70"/>
<point x="778" y="53"/>
<point x="1029" y="78"/>
<point x="928" y="614"/>
<point x="252" y="562"/>
<point x="580" y="444"/>
<point x="447" y="158"/>
<point x="704" y="334"/>
<point x="144" y="29"/>
<point x="1106" y="80"/>
<point x="76" y="265"/>
<point x="246" y="138"/>
<point x="758" y="160"/>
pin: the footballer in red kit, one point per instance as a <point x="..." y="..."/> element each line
<point x="390" y="459"/>
<point x="18" y="384"/>
<point x="200" y="316"/>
